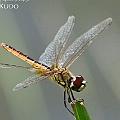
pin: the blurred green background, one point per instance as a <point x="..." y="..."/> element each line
<point x="30" y="28"/>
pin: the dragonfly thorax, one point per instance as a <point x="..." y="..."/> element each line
<point x="67" y="80"/>
<point x="77" y="83"/>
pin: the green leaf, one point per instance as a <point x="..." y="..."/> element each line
<point x="80" y="111"/>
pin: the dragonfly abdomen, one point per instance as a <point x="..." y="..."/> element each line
<point x="24" y="57"/>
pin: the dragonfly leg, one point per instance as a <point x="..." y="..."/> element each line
<point x="69" y="97"/>
<point x="69" y="100"/>
<point x="72" y="95"/>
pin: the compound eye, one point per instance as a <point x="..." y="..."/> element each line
<point x="78" y="81"/>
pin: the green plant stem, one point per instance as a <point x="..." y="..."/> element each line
<point x="80" y="111"/>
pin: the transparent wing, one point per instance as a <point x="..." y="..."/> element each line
<point x="11" y="66"/>
<point x="54" y="50"/>
<point x="82" y="42"/>
<point x="15" y="66"/>
<point x="29" y="81"/>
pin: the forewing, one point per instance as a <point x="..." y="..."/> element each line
<point x="82" y="42"/>
<point x="29" y="81"/>
<point x="54" y="50"/>
<point x="12" y="66"/>
<point x="16" y="66"/>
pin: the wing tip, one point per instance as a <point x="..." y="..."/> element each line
<point x="16" y="88"/>
<point x="19" y="86"/>
<point x="109" y="20"/>
<point x="71" y="17"/>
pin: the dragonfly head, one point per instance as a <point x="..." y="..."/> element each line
<point x="78" y="83"/>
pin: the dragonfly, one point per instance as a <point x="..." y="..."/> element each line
<point x="54" y="62"/>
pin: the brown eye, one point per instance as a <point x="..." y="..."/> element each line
<point x="78" y="81"/>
